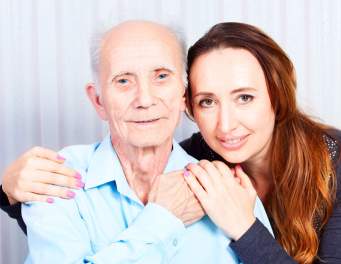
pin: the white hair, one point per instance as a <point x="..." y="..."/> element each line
<point x="100" y="32"/>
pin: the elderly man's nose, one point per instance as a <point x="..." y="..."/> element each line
<point x="144" y="95"/>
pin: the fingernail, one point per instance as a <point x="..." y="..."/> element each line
<point x="80" y="184"/>
<point x="70" y="194"/>
<point x="60" y="157"/>
<point x="50" y="200"/>
<point x="186" y="173"/>
<point x="78" y="176"/>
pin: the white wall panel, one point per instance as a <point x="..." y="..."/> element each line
<point x="44" y="65"/>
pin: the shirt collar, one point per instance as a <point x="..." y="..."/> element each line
<point x="178" y="158"/>
<point x="105" y="166"/>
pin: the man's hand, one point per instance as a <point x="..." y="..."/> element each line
<point x="172" y="192"/>
<point x="38" y="174"/>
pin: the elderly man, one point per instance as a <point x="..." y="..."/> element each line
<point x="128" y="210"/>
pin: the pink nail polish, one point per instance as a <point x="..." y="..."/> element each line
<point x="50" y="200"/>
<point x="78" y="176"/>
<point x="60" y="157"/>
<point x="186" y="173"/>
<point x="70" y="194"/>
<point x="80" y="184"/>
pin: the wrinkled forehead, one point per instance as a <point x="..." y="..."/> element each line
<point x="139" y="52"/>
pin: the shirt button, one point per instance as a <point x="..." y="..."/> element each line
<point x="175" y="242"/>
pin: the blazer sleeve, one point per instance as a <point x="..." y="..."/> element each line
<point x="13" y="211"/>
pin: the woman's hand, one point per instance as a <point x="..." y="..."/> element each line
<point x="38" y="174"/>
<point x="228" y="199"/>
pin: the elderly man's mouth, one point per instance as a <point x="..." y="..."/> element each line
<point x="146" y="122"/>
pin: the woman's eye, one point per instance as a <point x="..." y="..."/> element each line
<point x="245" y="98"/>
<point x="206" y="102"/>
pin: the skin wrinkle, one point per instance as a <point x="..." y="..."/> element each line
<point x="132" y="94"/>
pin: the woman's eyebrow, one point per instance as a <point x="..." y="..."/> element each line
<point x="243" y="89"/>
<point x="203" y="94"/>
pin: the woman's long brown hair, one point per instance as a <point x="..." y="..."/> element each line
<point x="303" y="177"/>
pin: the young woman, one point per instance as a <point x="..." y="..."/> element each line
<point x="242" y="96"/>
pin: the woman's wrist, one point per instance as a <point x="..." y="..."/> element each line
<point x="243" y="227"/>
<point x="11" y="200"/>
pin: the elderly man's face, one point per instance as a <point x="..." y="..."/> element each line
<point x="141" y="87"/>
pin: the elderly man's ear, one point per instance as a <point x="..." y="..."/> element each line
<point x="96" y="100"/>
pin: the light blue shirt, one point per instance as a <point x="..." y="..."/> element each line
<point x="107" y="223"/>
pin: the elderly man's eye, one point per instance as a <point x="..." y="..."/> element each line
<point x="162" y="76"/>
<point x="122" y="81"/>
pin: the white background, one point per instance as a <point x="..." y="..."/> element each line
<point x="44" y="65"/>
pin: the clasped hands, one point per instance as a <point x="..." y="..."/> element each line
<point x="226" y="195"/>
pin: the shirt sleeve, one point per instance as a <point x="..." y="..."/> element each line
<point x="13" y="211"/>
<point x="262" y="217"/>
<point x="58" y="234"/>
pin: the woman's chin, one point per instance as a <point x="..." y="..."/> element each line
<point x="234" y="158"/>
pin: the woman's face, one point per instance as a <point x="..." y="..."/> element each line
<point x="231" y="104"/>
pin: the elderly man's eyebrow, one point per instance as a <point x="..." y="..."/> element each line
<point x="164" y="68"/>
<point x="118" y="74"/>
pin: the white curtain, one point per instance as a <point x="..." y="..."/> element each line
<point x="44" y="65"/>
